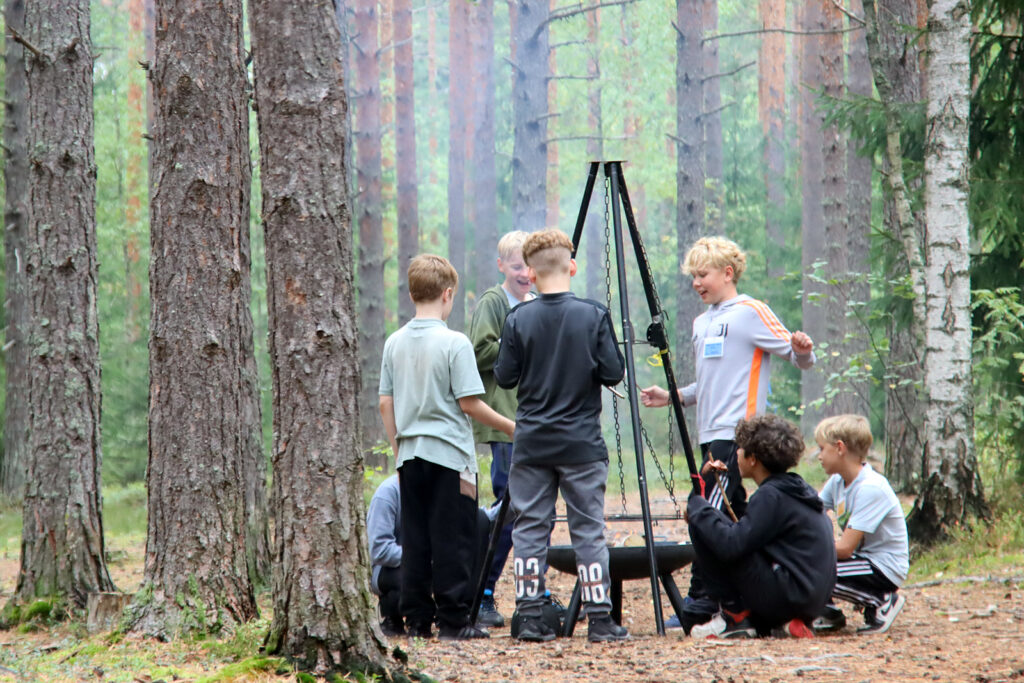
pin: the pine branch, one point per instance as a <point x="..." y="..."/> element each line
<point x="18" y="38"/>
<point x="728" y="73"/>
<point x="589" y="137"/>
<point x="572" y="10"/>
<point x="569" y="77"/>
<point x="790" y="31"/>
<point x="848" y="13"/>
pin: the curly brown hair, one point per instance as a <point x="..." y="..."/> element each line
<point x="775" y="442"/>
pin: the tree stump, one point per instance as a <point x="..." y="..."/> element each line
<point x="104" y="609"/>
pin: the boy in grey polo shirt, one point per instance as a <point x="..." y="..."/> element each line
<point x="429" y="388"/>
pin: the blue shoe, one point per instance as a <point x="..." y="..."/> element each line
<point x="673" y="622"/>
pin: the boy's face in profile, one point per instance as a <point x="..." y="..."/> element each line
<point x="713" y="284"/>
<point x="517" y="279"/>
<point x="829" y="457"/>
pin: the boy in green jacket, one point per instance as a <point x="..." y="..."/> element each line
<point x="484" y="333"/>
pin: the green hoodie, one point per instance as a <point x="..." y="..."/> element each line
<point x="484" y="333"/>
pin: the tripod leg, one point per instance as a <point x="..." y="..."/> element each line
<point x="485" y="566"/>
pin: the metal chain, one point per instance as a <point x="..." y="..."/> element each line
<point x="608" y="294"/>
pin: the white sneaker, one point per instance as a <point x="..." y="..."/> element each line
<point x="709" y="630"/>
<point x="885" y="614"/>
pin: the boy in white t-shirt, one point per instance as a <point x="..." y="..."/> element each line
<point x="872" y="551"/>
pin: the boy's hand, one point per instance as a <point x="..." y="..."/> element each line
<point x="802" y="344"/>
<point x="714" y="465"/>
<point x="654" y="397"/>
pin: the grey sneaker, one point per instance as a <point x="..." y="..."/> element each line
<point x="489" y="615"/>
<point x="880" y="619"/>
<point x="603" y="629"/>
<point x="464" y="633"/>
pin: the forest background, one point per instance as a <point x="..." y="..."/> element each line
<point x="754" y="120"/>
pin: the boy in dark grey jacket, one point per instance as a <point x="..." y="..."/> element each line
<point x="776" y="566"/>
<point x="559" y="351"/>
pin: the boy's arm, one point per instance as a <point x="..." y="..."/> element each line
<point x="611" y="366"/>
<point x="485" y="331"/>
<point x="381" y="522"/>
<point x="734" y="540"/>
<point x="387" y="415"/>
<point x="507" y="368"/>
<point x="848" y="543"/>
<point x="769" y="334"/>
<point x="483" y="413"/>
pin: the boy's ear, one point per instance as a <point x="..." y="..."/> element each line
<point x="572" y="267"/>
<point x="448" y="294"/>
<point x="841" y="447"/>
<point x="532" y="274"/>
<point x="729" y="272"/>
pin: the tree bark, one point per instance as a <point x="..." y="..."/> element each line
<point x="951" y="493"/>
<point x="712" y="118"/>
<point x="594" y="249"/>
<point x="62" y="523"/>
<point x="689" y="162"/>
<point x="405" y="155"/>
<point x="812" y="170"/>
<point x="484" y="177"/>
<point x="894" y="56"/>
<point x="205" y="471"/>
<point x="13" y="457"/>
<point x="459" y="87"/>
<point x="324" y="614"/>
<point x="369" y="214"/>
<point x="530" y="114"/>
<point x="834" y="211"/>
<point x="771" y="94"/>
<point x="858" y="237"/>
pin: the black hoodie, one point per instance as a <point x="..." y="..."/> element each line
<point x="785" y="521"/>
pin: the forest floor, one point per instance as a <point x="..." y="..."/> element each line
<point x="953" y="628"/>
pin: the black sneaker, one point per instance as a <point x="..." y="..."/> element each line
<point x="419" y="631"/>
<point x="489" y="615"/>
<point x="831" y="619"/>
<point x="879" y="619"/>
<point x="738" y="625"/>
<point x="534" y="630"/>
<point x="392" y="627"/>
<point x="464" y="633"/>
<point x="603" y="629"/>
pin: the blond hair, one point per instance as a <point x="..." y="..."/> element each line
<point x="429" y="275"/>
<point x="511" y="244"/>
<point x="853" y="430"/>
<point x="548" y="252"/>
<point x="715" y="252"/>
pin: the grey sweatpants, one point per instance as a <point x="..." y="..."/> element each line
<point x="533" y="490"/>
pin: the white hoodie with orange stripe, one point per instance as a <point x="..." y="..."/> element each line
<point x="733" y="342"/>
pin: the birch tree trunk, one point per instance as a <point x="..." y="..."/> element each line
<point x="62" y="523"/>
<point x="204" y="412"/>
<point x="13" y="458"/>
<point x="368" y="211"/>
<point x="895" y="65"/>
<point x="951" y="493"/>
<point x="323" y="612"/>
<point x="406" y="177"/>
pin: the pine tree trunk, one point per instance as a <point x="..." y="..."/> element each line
<point x="771" y="94"/>
<point x="951" y="493"/>
<point x="368" y="212"/>
<point x="712" y="118"/>
<point x="894" y="56"/>
<point x="484" y="177"/>
<point x="530" y="113"/>
<point x="551" y="212"/>
<point x="204" y="412"/>
<point x="405" y="155"/>
<point x="323" y="611"/>
<point x="594" y="230"/>
<point x="858" y="237"/>
<point x="834" y="211"/>
<point x="62" y="522"/>
<point x="812" y="171"/>
<point x="14" y="457"/>
<point x="459" y="91"/>
<point x="689" y="163"/>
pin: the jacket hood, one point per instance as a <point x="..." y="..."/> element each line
<point x="795" y="487"/>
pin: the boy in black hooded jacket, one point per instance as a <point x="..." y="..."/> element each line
<point x="776" y="566"/>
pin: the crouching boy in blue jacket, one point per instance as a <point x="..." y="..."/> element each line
<point x="775" y="568"/>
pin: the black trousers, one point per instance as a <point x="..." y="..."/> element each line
<point x="439" y="540"/>
<point x="389" y="581"/>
